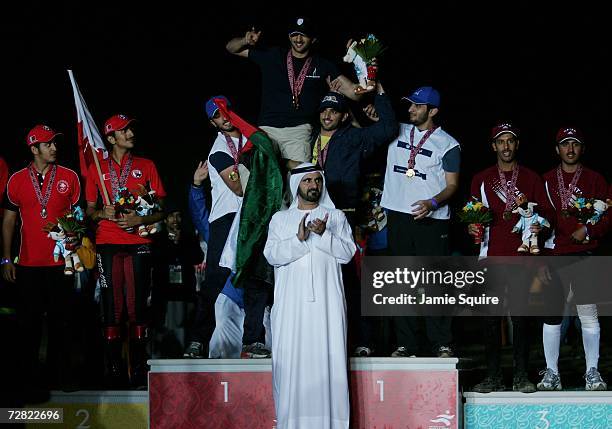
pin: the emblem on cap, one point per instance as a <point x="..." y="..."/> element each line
<point x="137" y="174"/>
<point x="46" y="128"/>
<point x="300" y="21"/>
<point x="32" y="139"/>
<point x="569" y="131"/>
<point x="331" y="98"/>
<point x="122" y="117"/>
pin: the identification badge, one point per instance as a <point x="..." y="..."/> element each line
<point x="175" y="276"/>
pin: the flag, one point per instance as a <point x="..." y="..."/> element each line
<point x="88" y="134"/>
<point x="262" y="198"/>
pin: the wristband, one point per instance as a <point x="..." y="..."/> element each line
<point x="197" y="186"/>
<point x="5" y="261"/>
<point x="434" y="204"/>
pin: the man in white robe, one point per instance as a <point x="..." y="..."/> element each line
<point x="306" y="245"/>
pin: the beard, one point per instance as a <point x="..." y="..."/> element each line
<point x="312" y="195"/>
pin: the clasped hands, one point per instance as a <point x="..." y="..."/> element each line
<point x="317" y="226"/>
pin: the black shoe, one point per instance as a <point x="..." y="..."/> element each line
<point x="115" y="377"/>
<point x="490" y="384"/>
<point x="521" y="383"/>
<point x="445" y="352"/>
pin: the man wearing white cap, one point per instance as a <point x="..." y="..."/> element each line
<point x="306" y="245"/>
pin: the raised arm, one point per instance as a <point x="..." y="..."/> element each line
<point x="240" y="45"/>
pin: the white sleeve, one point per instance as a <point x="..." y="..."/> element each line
<point x="340" y="245"/>
<point x="278" y="251"/>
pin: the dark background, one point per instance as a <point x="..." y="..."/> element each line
<point x="159" y="63"/>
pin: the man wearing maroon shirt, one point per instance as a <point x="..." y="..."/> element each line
<point x="39" y="194"/>
<point x="563" y="184"/>
<point x="124" y="258"/>
<point x="502" y="188"/>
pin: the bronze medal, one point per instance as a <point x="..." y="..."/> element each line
<point x="507" y="215"/>
<point x="233" y="176"/>
<point x="410" y="172"/>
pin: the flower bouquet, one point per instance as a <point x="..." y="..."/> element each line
<point x="147" y="203"/>
<point x="67" y="234"/>
<point x="363" y="54"/>
<point x="475" y="212"/>
<point x="124" y="201"/>
<point x="587" y="211"/>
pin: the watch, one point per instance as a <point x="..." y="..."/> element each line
<point x="5" y="261"/>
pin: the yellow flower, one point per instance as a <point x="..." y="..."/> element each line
<point x="465" y="209"/>
<point x="122" y="201"/>
<point x="477" y="206"/>
<point x="589" y="205"/>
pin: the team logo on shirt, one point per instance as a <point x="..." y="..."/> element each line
<point x="62" y="186"/>
<point x="136" y="174"/>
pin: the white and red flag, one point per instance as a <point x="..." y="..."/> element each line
<point x="89" y="139"/>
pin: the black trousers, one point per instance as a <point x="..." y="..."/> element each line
<point x="125" y="278"/>
<point x="257" y="295"/>
<point x="518" y="295"/>
<point x="45" y="290"/>
<point x="425" y="237"/>
<point x="215" y="278"/>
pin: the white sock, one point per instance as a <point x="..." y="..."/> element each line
<point x="551" y="336"/>
<point x="590" y="334"/>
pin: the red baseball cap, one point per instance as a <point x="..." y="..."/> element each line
<point x="569" y="133"/>
<point x="503" y="127"/>
<point x="41" y="134"/>
<point x="115" y="123"/>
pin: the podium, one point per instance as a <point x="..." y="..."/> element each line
<point x="539" y="410"/>
<point x="386" y="393"/>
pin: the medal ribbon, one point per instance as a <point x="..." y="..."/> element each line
<point x="322" y="153"/>
<point x="509" y="190"/>
<point x="235" y="152"/>
<point x="118" y="183"/>
<point x="42" y="200"/>
<point x="415" y="150"/>
<point x="296" y="85"/>
<point x="566" y="193"/>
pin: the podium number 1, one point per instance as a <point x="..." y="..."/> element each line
<point x="225" y="390"/>
<point x="381" y="383"/>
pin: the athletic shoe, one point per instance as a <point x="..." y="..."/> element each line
<point x="445" y="352"/>
<point x="521" y="383"/>
<point x="550" y="381"/>
<point x="193" y="351"/>
<point x="255" y="351"/>
<point x="490" y="384"/>
<point x="401" y="352"/>
<point x="594" y="380"/>
<point x="362" y="352"/>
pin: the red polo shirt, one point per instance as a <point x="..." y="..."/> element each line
<point x="141" y="172"/>
<point x="3" y="180"/>
<point x="590" y="184"/>
<point x="36" y="248"/>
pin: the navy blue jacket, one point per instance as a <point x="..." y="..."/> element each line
<point x="349" y="148"/>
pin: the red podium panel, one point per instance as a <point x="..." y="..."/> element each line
<point x="386" y="393"/>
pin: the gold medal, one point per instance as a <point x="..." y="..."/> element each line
<point x="233" y="176"/>
<point x="410" y="172"/>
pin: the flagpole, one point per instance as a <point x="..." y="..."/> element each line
<point x="76" y="93"/>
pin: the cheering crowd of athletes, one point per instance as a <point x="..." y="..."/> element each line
<point x="306" y="116"/>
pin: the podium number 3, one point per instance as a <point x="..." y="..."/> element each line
<point x="225" y="385"/>
<point x="381" y="383"/>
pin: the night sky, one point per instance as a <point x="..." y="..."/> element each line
<point x="159" y="63"/>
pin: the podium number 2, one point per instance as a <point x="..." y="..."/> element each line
<point x="225" y="385"/>
<point x="381" y="383"/>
